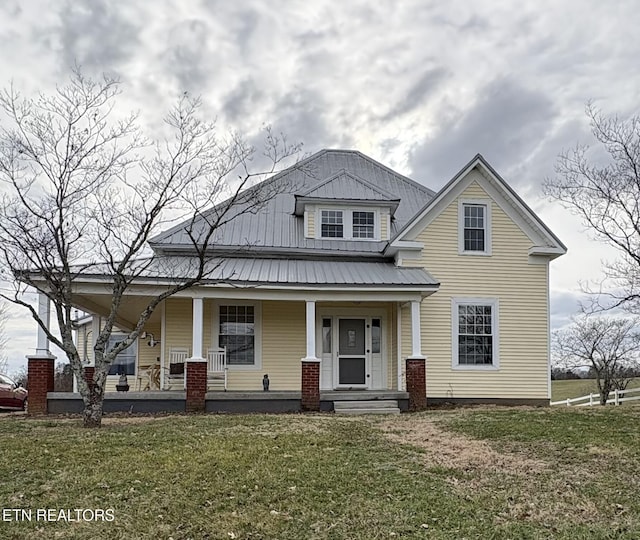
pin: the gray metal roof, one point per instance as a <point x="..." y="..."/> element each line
<point x="275" y="225"/>
<point x="282" y="272"/>
<point x="346" y="186"/>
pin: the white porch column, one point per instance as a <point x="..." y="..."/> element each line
<point x="95" y="332"/>
<point x="44" y="312"/>
<point x="198" y="327"/>
<point x="416" y="342"/>
<point x="311" y="331"/>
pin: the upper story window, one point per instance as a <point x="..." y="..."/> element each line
<point x="474" y="227"/>
<point x="332" y="224"/>
<point x="363" y="224"/>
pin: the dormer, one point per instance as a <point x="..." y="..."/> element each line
<point x="346" y="207"/>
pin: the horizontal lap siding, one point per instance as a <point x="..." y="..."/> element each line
<point x="521" y="289"/>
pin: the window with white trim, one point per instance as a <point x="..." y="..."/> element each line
<point x="332" y="224"/>
<point x="125" y="361"/>
<point x="475" y="330"/>
<point x="474" y="235"/>
<point x="474" y="227"/>
<point x="363" y="224"/>
<point x="348" y="224"/>
<point x="237" y="324"/>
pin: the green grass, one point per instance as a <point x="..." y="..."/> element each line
<point x="579" y="387"/>
<point x="468" y="473"/>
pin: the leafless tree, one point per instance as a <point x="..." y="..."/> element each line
<point x="84" y="190"/>
<point x="605" y="193"/>
<point x="609" y="347"/>
<point x="4" y="339"/>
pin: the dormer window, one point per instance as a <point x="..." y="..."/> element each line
<point x="332" y="224"/>
<point x="349" y="224"/>
<point x="363" y="224"/>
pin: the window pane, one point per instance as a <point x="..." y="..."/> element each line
<point x="125" y="362"/>
<point x="326" y="336"/>
<point x="375" y="335"/>
<point x="237" y="329"/>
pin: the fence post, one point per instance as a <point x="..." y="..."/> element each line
<point x="590" y="399"/>
<point x="568" y="402"/>
<point x="615" y="394"/>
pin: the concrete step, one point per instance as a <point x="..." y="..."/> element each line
<point x="366" y="404"/>
<point x="385" y="410"/>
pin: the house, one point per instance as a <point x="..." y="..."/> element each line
<point x="355" y="280"/>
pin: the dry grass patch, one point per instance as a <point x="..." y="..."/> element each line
<point x="443" y="448"/>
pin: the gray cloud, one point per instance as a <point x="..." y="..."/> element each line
<point x="505" y="124"/>
<point x="99" y="35"/>
<point x="186" y="56"/>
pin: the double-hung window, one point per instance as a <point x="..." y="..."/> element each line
<point x="125" y="362"/>
<point x="475" y="333"/>
<point x="237" y="334"/>
<point x="349" y="224"/>
<point x="475" y="231"/>
<point x="363" y="224"/>
<point x="332" y="224"/>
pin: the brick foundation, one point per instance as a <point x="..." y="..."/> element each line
<point x="196" y="385"/>
<point x="39" y="382"/>
<point x="310" y="385"/>
<point x="417" y="384"/>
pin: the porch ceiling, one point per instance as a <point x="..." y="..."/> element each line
<point x="130" y="307"/>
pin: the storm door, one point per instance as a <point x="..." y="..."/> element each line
<point x="352" y="354"/>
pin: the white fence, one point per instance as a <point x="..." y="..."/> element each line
<point x="619" y="396"/>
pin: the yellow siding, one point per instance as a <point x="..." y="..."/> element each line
<point x="521" y="289"/>
<point x="311" y="224"/>
<point x="384" y="222"/>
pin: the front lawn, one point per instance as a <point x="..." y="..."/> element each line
<point x="468" y="473"/>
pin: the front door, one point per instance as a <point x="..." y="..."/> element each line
<point x="352" y="353"/>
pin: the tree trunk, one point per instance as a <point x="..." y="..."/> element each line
<point x="92" y="414"/>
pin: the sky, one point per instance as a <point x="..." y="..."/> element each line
<point x="421" y="86"/>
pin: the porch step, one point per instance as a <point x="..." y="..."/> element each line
<point x="381" y="406"/>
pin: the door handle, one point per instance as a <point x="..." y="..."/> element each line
<point x="368" y="375"/>
<point x="368" y="351"/>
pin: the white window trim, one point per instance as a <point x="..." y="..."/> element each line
<point x="347" y="222"/>
<point x="495" y="314"/>
<point x="215" y="331"/>
<point x="487" y="226"/>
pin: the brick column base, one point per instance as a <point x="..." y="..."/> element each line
<point x="88" y="376"/>
<point x="310" y="385"/>
<point x="196" y="385"/>
<point x="39" y="382"/>
<point x="417" y="384"/>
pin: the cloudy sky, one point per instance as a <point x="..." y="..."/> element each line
<point x="421" y="86"/>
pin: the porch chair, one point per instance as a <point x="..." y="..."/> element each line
<point x="217" y="365"/>
<point x="176" y="373"/>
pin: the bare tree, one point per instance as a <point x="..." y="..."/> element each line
<point x="84" y="191"/>
<point x="605" y="194"/>
<point x="4" y="340"/>
<point x="609" y="347"/>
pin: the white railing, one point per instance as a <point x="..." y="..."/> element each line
<point x="217" y="364"/>
<point x="619" y="396"/>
